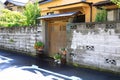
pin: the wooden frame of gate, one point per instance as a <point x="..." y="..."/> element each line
<point x="56" y="33"/>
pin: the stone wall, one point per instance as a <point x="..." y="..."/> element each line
<point x="20" y="39"/>
<point x="94" y="45"/>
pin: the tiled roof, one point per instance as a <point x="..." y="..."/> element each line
<point x="44" y="1"/>
<point x="18" y="2"/>
<point x="22" y="2"/>
<point x="33" y="1"/>
<point x="103" y="3"/>
<point x="58" y="15"/>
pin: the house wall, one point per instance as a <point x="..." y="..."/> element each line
<point x="20" y="39"/>
<point x="1" y="6"/>
<point x="12" y="7"/>
<point x="95" y="45"/>
<point x="45" y="7"/>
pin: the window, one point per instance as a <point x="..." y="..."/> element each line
<point x="49" y="13"/>
<point x="110" y="15"/>
<point x="113" y="15"/>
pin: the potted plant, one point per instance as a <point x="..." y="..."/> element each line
<point x="57" y="58"/>
<point x="63" y="50"/>
<point x="39" y="45"/>
<point x="63" y="53"/>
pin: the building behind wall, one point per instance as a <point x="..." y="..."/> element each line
<point x="56" y="14"/>
<point x="113" y="11"/>
<point x="17" y="5"/>
<point x="62" y="6"/>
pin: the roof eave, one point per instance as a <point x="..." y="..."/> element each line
<point x="17" y="3"/>
<point x="44" y="1"/>
<point x="103" y="3"/>
<point x="58" y="15"/>
<point x="89" y="3"/>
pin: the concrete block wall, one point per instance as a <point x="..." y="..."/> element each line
<point x="20" y="39"/>
<point x="95" y="45"/>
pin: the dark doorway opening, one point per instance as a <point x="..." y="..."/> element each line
<point x="79" y="18"/>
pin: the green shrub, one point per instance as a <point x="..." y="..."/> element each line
<point x="32" y="12"/>
<point x="12" y="18"/>
<point x="57" y="56"/>
<point x="101" y="16"/>
<point x="117" y="2"/>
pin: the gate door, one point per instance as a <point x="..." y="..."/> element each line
<point x="57" y="36"/>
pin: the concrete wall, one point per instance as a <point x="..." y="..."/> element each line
<point x="95" y="45"/>
<point x="20" y="39"/>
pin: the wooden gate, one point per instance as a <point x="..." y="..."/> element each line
<point x="57" y="36"/>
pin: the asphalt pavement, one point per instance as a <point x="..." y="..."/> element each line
<point x="14" y="66"/>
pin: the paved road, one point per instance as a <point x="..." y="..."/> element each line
<point x="20" y="67"/>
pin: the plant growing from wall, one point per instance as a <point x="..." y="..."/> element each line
<point x="101" y="16"/>
<point x="11" y="40"/>
<point x="32" y="12"/>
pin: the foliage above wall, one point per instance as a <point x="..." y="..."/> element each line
<point x="101" y="16"/>
<point x="116" y="2"/>
<point x="32" y="12"/>
<point x="12" y="18"/>
<point x="27" y="18"/>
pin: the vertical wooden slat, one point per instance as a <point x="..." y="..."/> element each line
<point x="57" y="34"/>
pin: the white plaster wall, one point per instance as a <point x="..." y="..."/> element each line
<point x="106" y="47"/>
